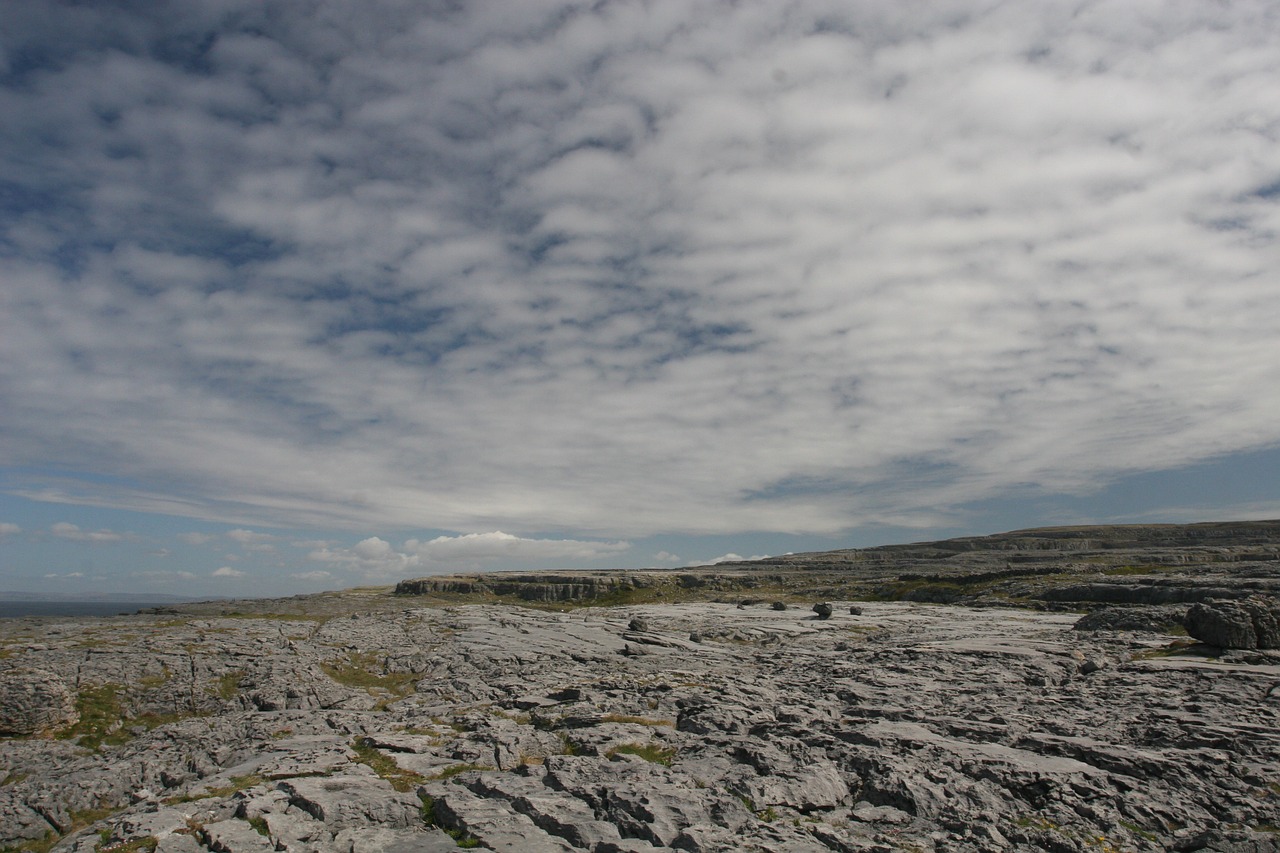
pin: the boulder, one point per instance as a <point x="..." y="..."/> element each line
<point x="1251" y="623"/>
<point x="34" y="700"/>
<point x="823" y="610"/>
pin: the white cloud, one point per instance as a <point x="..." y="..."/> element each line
<point x="312" y="576"/>
<point x="249" y="537"/>
<point x="731" y="558"/>
<point x="8" y="529"/>
<point x="196" y="538"/>
<point x="377" y="558"/>
<point x="615" y="269"/>
<point x="228" y="572"/>
<point x="495" y="545"/>
<point x="251" y="540"/>
<point x="66" y="530"/>
<point x="666" y="557"/>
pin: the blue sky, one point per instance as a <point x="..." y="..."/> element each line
<point x="306" y="295"/>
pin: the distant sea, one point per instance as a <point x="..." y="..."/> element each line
<point x="74" y="608"/>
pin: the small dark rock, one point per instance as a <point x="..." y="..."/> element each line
<point x="823" y="610"/>
<point x="855" y="610"/>
<point x="638" y="623"/>
<point x="779" y="605"/>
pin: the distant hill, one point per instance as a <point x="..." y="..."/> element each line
<point x="1098" y="537"/>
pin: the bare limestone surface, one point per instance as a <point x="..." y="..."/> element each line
<point x="907" y="727"/>
<point x="367" y="721"/>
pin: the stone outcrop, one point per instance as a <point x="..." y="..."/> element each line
<point x="1252" y="623"/>
<point x="34" y="701"/>
<point x="1062" y="567"/>
<point x="541" y="587"/>
<point x="1156" y="620"/>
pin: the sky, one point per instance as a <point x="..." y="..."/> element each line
<point x="311" y="295"/>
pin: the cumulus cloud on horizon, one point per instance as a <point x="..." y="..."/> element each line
<point x="730" y="558"/>
<point x="617" y="268"/>
<point x="374" y="557"/>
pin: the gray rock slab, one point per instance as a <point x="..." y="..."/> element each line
<point x="234" y="836"/>
<point x="494" y="822"/>
<point x="345" y="801"/>
<point x="382" y="840"/>
<point x="557" y="813"/>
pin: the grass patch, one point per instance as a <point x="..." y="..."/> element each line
<point x="456" y="770"/>
<point x="228" y="684"/>
<point x="650" y="752"/>
<point x="365" y="671"/>
<point x="103" y="721"/>
<point x="146" y="844"/>
<point x="1137" y="830"/>
<point x="238" y="784"/>
<point x="259" y="825"/>
<point x="101" y="718"/>
<point x="150" y="682"/>
<point x="401" y="780"/>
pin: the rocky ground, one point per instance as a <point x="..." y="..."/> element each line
<point x="369" y="722"/>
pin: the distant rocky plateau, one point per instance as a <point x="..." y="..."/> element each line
<point x="1111" y="688"/>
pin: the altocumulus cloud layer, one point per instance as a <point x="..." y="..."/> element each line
<point x="613" y="268"/>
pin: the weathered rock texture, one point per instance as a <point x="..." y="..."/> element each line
<point x="33" y="700"/>
<point x="1253" y="623"/>
<point x="367" y="722"/>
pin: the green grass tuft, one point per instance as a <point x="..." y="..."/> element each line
<point x="650" y="752"/>
<point x="401" y="780"/>
<point x="456" y="770"/>
<point x="365" y="671"/>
